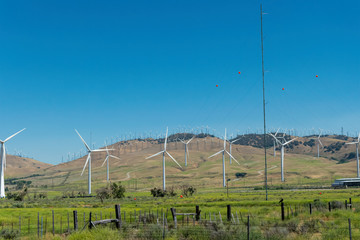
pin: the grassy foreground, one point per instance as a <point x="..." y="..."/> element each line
<point x="21" y="218"/>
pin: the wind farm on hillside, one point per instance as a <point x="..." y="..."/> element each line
<point x="179" y="120"/>
<point x="134" y="160"/>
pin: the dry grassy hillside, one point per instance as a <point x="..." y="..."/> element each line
<point x="301" y="165"/>
<point x="20" y="166"/>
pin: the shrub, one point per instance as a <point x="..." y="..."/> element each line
<point x="117" y="190"/>
<point x="9" y="234"/>
<point x="187" y="190"/>
<point x="103" y="193"/>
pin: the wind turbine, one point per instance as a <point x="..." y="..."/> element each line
<point x="3" y="163"/>
<point x="163" y="162"/>
<point x="282" y="153"/>
<point x="231" y="142"/>
<point x="88" y="159"/>
<point x="223" y="158"/>
<point x="357" y="154"/>
<point x="318" y="144"/>
<point x="186" y="150"/>
<point x="108" y="155"/>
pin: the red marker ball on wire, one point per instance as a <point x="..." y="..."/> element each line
<point x="239" y="72"/>
<point x="217" y="85"/>
<point x="316" y="75"/>
<point x="283" y="89"/>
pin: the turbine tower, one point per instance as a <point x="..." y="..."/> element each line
<point x="186" y="149"/>
<point x="163" y="162"/>
<point x="3" y="163"/>
<point x="88" y="159"/>
<point x="319" y="143"/>
<point x="357" y="154"/>
<point x="282" y="153"/>
<point x="223" y="158"/>
<point x="108" y="155"/>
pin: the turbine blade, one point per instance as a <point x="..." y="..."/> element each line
<point x="225" y="140"/>
<point x="359" y="138"/>
<point x="83" y="140"/>
<point x="351" y="143"/>
<point x="100" y="150"/>
<point x="182" y="141"/>
<point x="235" y="140"/>
<point x="155" y="155"/>
<point x="216" y="153"/>
<point x="321" y="143"/>
<point x="114" y="157"/>
<point x="14" y="135"/>
<point x="166" y="138"/>
<point x="87" y="160"/>
<point x="232" y="157"/>
<point x="277" y="131"/>
<point x="173" y="159"/>
<point x="289" y="141"/>
<point x="107" y="157"/>
<point x="190" y="140"/>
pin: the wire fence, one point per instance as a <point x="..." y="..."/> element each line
<point x="166" y="222"/>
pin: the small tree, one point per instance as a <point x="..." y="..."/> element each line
<point x="117" y="190"/>
<point x="103" y="193"/>
<point x="187" y="190"/>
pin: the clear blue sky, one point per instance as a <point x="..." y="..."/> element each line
<point x="119" y="67"/>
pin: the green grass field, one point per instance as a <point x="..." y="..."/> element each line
<point x="265" y="216"/>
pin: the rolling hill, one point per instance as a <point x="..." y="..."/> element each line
<point x="301" y="167"/>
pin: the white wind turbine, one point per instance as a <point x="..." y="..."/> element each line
<point x="3" y="163"/>
<point x="186" y="149"/>
<point x="223" y="158"/>
<point x="108" y="155"/>
<point x="163" y="162"/>
<point x="357" y="154"/>
<point x="319" y="143"/>
<point x="88" y="159"/>
<point x="282" y="153"/>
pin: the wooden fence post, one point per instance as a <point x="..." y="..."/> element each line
<point x="248" y="228"/>
<point x="228" y="213"/>
<point x="53" y="223"/>
<point x="350" y="229"/>
<point x="350" y="203"/>
<point x="197" y="210"/>
<point x="118" y="216"/>
<point x="282" y="211"/>
<point x="38" y="225"/>
<point x="329" y="207"/>
<point x="310" y="208"/>
<point x="90" y="224"/>
<point x="173" y="212"/>
<point x="75" y="220"/>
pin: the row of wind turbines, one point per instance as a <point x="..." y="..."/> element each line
<point x="278" y="141"/>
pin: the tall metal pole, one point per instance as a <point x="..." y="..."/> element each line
<point x="164" y="187"/>
<point x="107" y="170"/>
<point x="185" y="155"/>
<point x="223" y="159"/>
<point x="263" y="78"/>
<point x="89" y="180"/>
<point x="357" y="159"/>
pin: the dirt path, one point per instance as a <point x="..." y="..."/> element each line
<point x="260" y="172"/>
